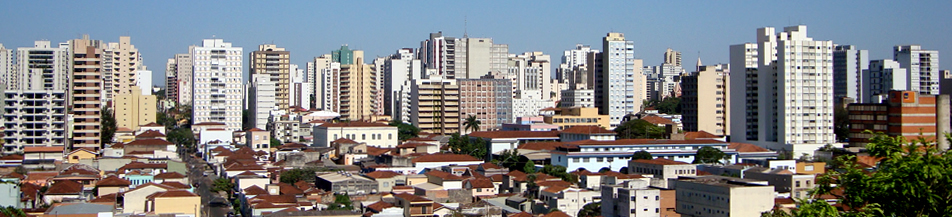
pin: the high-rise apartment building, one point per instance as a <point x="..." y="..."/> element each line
<point x="786" y="100"/>
<point x="6" y="65"/>
<point x="35" y="99"/>
<point x="573" y="70"/>
<point x="901" y="113"/>
<point x="134" y="109"/>
<point x="530" y="74"/>
<point x="883" y="76"/>
<point x="848" y="65"/>
<point x="462" y="58"/>
<point x="397" y="69"/>
<point x="171" y="81"/>
<point x="945" y="82"/>
<point x="922" y="63"/>
<point x="184" y="76"/>
<point x="705" y="101"/>
<point x="121" y="61"/>
<point x="86" y="91"/>
<point x="261" y="100"/>
<point x="435" y="105"/>
<point x="618" y="82"/>
<point x="439" y="54"/>
<point x="327" y="84"/>
<point x="489" y="100"/>
<point x="271" y="60"/>
<point x="672" y="57"/>
<point x="357" y="87"/>
<point x="41" y="67"/>
<point x="217" y="96"/>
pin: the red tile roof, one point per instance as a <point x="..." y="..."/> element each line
<point x="700" y="135"/>
<point x="379" y="206"/>
<point x="418" y="139"/>
<point x="12" y="157"/>
<point x="375" y="151"/>
<point x="177" y="185"/>
<point x="255" y="190"/>
<point x="556" y="214"/>
<point x="169" y="175"/>
<point x="124" y="129"/>
<point x="152" y="124"/>
<point x="151" y="134"/>
<point x="65" y="187"/>
<point x="383" y="174"/>
<point x="480" y="183"/>
<point x="256" y="130"/>
<point x="343" y="140"/>
<point x="588" y="130"/>
<point x="641" y="142"/>
<point x="149" y="142"/>
<point x="172" y="193"/>
<point x="140" y="165"/>
<point x="746" y="147"/>
<point x="355" y="124"/>
<point x="542" y="145"/>
<point x="657" y="120"/>
<point x="555" y="189"/>
<point x="515" y="134"/>
<point x="414" y="145"/>
<point x="14" y="175"/>
<point x="113" y="181"/>
<point x="443" y="157"/>
<point x="109" y="198"/>
<point x="288" y="189"/>
<point x="412" y="198"/>
<point x="40" y="149"/>
<point x="521" y="214"/>
<point x="660" y="161"/>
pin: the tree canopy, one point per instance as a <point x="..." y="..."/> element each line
<point x="639" y="129"/>
<point x="512" y="160"/>
<point x="472" y="124"/>
<point x="405" y="131"/>
<point x="108" y="122"/>
<point x="472" y="147"/>
<point x="181" y="136"/>
<point x="641" y="155"/>
<point x="341" y="202"/>
<point x="223" y="184"/>
<point x="559" y="171"/>
<point x="910" y="179"/>
<point x="708" y="154"/>
<point x="590" y="210"/>
<point x="670" y="105"/>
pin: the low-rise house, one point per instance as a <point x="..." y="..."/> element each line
<point x="147" y="145"/>
<point x="812" y="168"/>
<point x="415" y="206"/>
<point x="174" y="202"/>
<point x="416" y="147"/>
<point x="722" y="196"/>
<point x="64" y="191"/>
<point x="786" y="183"/>
<point x="152" y="134"/>
<point x="442" y="159"/>
<point x="386" y="180"/>
<point x="81" y="173"/>
<point x="505" y="140"/>
<point x="747" y="151"/>
<point x="568" y="199"/>
<point x="346" y="183"/>
<point x="480" y="187"/>
<point x="54" y="153"/>
<point x="170" y="177"/>
<point x="258" y="140"/>
<point x="134" y="200"/>
<point x="13" y="160"/>
<point x="248" y="179"/>
<point x="30" y="192"/>
<point x="80" y="154"/>
<point x="9" y="194"/>
<point x="579" y="133"/>
<point x="112" y="184"/>
<point x="632" y="198"/>
<point x="661" y="169"/>
<point x="447" y="180"/>
<point x="79" y="209"/>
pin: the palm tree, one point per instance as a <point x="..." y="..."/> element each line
<point x="471" y="124"/>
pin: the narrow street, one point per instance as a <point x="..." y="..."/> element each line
<point x="212" y="203"/>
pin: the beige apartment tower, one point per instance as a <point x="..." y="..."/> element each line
<point x="434" y="105"/>
<point x="120" y="62"/>
<point x="358" y="87"/>
<point x="134" y="109"/>
<point x="86" y="92"/>
<point x="271" y="60"/>
<point x="705" y="100"/>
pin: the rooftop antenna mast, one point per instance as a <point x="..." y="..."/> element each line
<point x="465" y="23"/>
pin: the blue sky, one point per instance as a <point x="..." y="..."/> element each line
<point x="311" y="28"/>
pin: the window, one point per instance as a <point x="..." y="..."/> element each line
<point x="363" y="136"/>
<point x="390" y="136"/>
<point x="798" y="184"/>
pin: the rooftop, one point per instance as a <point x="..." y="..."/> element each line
<point x="355" y="124"/>
<point x="589" y="130"/>
<point x="660" y="161"/>
<point x="444" y="157"/>
<point x="515" y="134"/>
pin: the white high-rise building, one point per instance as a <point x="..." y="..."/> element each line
<point x="398" y="68"/>
<point x="35" y="99"/>
<point x="923" y="63"/>
<point x="786" y="101"/>
<point x="6" y="65"/>
<point x="143" y="79"/>
<point x="848" y="65"/>
<point x="327" y="83"/>
<point x="619" y="82"/>
<point x="883" y="76"/>
<point x="41" y="67"/>
<point x="261" y="99"/>
<point x="462" y="58"/>
<point x="531" y="87"/>
<point x="217" y="93"/>
<point x="121" y="61"/>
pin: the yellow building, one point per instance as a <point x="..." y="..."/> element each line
<point x="577" y="116"/>
<point x="174" y="202"/>
<point x="134" y="109"/>
<point x="357" y="90"/>
<point x="79" y="154"/>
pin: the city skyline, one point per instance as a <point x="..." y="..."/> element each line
<point x="160" y="30"/>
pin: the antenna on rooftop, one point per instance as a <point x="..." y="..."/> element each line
<point x="465" y="23"/>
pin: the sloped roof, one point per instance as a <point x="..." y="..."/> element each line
<point x="255" y="190"/>
<point x="149" y="142"/>
<point x="556" y="214"/>
<point x="746" y="147"/>
<point x="382" y="174"/>
<point x="113" y="181"/>
<point x="152" y="124"/>
<point x="169" y="175"/>
<point x="12" y="157"/>
<point x="515" y="134"/>
<point x="177" y="185"/>
<point x="412" y="198"/>
<point x="150" y="134"/>
<point x="480" y="183"/>
<point x="39" y="149"/>
<point x="521" y="214"/>
<point x="256" y="130"/>
<point x="343" y="140"/>
<point x="375" y="151"/>
<point x="379" y="206"/>
<point x="418" y="139"/>
<point x="542" y="145"/>
<point x="172" y="193"/>
<point x="444" y="157"/>
<point x="654" y="119"/>
<point x="65" y="187"/>
<point x="109" y="198"/>
<point x="589" y="130"/>
<point x="700" y="135"/>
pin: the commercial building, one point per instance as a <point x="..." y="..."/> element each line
<point x="275" y="62"/>
<point x="577" y="116"/>
<point x="618" y="82"/>
<point x="346" y="183"/>
<point x="904" y="113"/>
<point x="133" y="109"/>
<point x="261" y="100"/>
<point x="849" y="65"/>
<point x="884" y="76"/>
<point x="489" y="100"/>
<point x="705" y="101"/>
<point x="86" y="92"/>
<point x="615" y="154"/>
<point x="435" y="106"/>
<point x="782" y="90"/>
<point x="577" y="98"/>
<point x="923" y="65"/>
<point x="722" y="196"/>
<point x="217" y="80"/>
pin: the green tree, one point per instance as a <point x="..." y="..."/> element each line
<point x="529" y="167"/>
<point x="275" y="142"/>
<point x="641" y="155"/>
<point x="472" y="124"/>
<point x="11" y="211"/>
<point x="670" y="105"/>
<point x="559" y="171"/>
<point x="590" y="210"/>
<point x="108" y="122"/>
<point x="639" y="129"/>
<point x="708" y="154"/>
<point x="405" y="131"/>
<point x="341" y="202"/>
<point x="223" y="184"/>
<point x="182" y="137"/>
<point x="841" y="123"/>
<point x="464" y="145"/>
